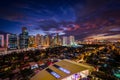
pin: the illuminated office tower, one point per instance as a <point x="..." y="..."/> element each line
<point x="32" y="41"/>
<point x="52" y="41"/>
<point x="1" y="40"/>
<point x="12" y="41"/>
<point x="60" y="41"/>
<point x="65" y="41"/>
<point x="7" y="40"/>
<point x="56" y="40"/>
<point x="23" y="38"/>
<point x="38" y="40"/>
<point x="47" y="40"/>
<point x="41" y="40"/>
<point x="72" y="40"/>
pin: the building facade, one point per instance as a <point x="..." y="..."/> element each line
<point x="72" y="40"/>
<point x="38" y="39"/>
<point x="12" y="41"/>
<point x="32" y="41"/>
<point x="1" y="40"/>
<point x="65" y="41"/>
<point x="23" y="38"/>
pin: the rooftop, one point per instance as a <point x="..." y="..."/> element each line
<point x="61" y="70"/>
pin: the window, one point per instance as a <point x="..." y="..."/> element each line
<point x="62" y="69"/>
<point x="53" y="73"/>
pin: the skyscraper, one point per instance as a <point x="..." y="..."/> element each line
<point x="65" y="41"/>
<point x="42" y="40"/>
<point x="32" y="41"/>
<point x="24" y="30"/>
<point x="23" y="38"/>
<point x="47" y="40"/>
<point x="57" y="39"/>
<point x="1" y="40"/>
<point x="7" y="40"/>
<point x="38" y="39"/>
<point x="72" y="40"/>
<point x="12" y="41"/>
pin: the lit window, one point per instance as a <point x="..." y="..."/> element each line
<point x="62" y="69"/>
<point x="53" y="73"/>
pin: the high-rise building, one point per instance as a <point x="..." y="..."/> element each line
<point x="24" y="30"/>
<point x="65" y="41"/>
<point x="57" y="39"/>
<point x="52" y="41"/>
<point x="23" y="38"/>
<point x="72" y="40"/>
<point x="7" y="40"/>
<point x="42" y="40"/>
<point x="60" y="41"/>
<point x="38" y="40"/>
<point x="47" y="40"/>
<point x="12" y="41"/>
<point x="32" y="41"/>
<point x="1" y="40"/>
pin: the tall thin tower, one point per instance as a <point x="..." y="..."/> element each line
<point x="57" y="39"/>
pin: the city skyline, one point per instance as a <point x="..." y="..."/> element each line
<point x="24" y="40"/>
<point x="85" y="19"/>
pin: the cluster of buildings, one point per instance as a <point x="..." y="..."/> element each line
<point x="14" y="41"/>
<point x="24" y="40"/>
<point x="102" y="41"/>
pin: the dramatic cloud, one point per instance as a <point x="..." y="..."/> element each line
<point x="81" y="18"/>
<point x="115" y="29"/>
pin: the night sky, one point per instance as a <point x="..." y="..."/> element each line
<point x="98" y="19"/>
